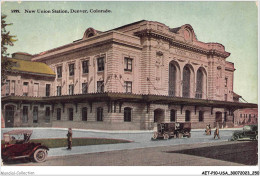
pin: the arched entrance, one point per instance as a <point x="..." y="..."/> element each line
<point x="158" y="115"/>
<point x="9" y="116"/>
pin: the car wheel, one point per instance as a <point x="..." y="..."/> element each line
<point x="235" y="137"/>
<point x="40" y="155"/>
<point x="155" y="135"/>
<point x="165" y="136"/>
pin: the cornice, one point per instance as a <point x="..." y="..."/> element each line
<point x="180" y="44"/>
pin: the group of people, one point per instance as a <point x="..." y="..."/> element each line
<point x="208" y="131"/>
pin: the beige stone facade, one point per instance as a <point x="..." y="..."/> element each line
<point x="131" y="78"/>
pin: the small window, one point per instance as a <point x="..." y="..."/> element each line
<point x="173" y="115"/>
<point x="187" y="116"/>
<point x="101" y="64"/>
<point x="58" y="113"/>
<point x="84" y="114"/>
<point x="71" y="69"/>
<point x="35" y="114"/>
<point x="225" y="97"/>
<point x="128" y="86"/>
<point x="25" y="88"/>
<point x="59" y="71"/>
<point x="12" y="88"/>
<point x="7" y="87"/>
<point x="25" y="114"/>
<point x="70" y="111"/>
<point x="100" y="86"/>
<point x="84" y="88"/>
<point x="71" y="89"/>
<point x="201" y="116"/>
<point x="128" y="64"/>
<point x="240" y="115"/>
<point x="48" y="89"/>
<point x="58" y="90"/>
<point x="99" y="114"/>
<point x="127" y="114"/>
<point x="47" y="114"/>
<point x="85" y="66"/>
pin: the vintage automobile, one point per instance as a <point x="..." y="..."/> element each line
<point x="249" y="132"/>
<point x="17" y="145"/>
<point x="169" y="130"/>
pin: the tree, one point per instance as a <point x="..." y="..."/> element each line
<point x="7" y="40"/>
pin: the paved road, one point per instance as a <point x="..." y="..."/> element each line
<point x="205" y="154"/>
<point x="141" y="139"/>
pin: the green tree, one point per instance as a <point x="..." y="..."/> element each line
<point x="7" y="40"/>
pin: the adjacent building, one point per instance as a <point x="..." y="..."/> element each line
<point x="128" y="78"/>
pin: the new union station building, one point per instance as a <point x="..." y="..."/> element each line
<point x="127" y="78"/>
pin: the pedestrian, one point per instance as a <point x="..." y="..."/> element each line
<point x="69" y="137"/>
<point x="216" y="133"/>
<point x="209" y="130"/>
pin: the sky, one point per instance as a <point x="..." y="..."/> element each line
<point x="233" y="24"/>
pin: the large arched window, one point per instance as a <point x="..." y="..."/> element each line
<point x="199" y="84"/>
<point x="127" y="114"/>
<point x="186" y="82"/>
<point x="172" y="79"/>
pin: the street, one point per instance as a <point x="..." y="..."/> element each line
<point x="204" y="154"/>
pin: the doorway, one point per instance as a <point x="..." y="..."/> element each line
<point x="9" y="116"/>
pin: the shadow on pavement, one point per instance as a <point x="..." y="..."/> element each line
<point x="241" y="152"/>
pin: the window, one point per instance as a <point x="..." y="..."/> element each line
<point x="173" y="115"/>
<point x="7" y="87"/>
<point x="71" y="89"/>
<point x="85" y="66"/>
<point x="186" y="82"/>
<point x="128" y="64"/>
<point x="127" y="114"/>
<point x="100" y="86"/>
<point x="100" y="63"/>
<point x="84" y="88"/>
<point x="12" y="91"/>
<point x="187" y="116"/>
<point x="25" y="88"/>
<point x="35" y="114"/>
<point x="84" y="114"/>
<point x="201" y="116"/>
<point x="58" y="113"/>
<point x="59" y="71"/>
<point x="70" y="111"/>
<point x="58" y="90"/>
<point x="25" y="114"/>
<point x="226" y="82"/>
<point x="128" y="86"/>
<point x="48" y="88"/>
<point x="240" y="115"/>
<point x="71" y="69"/>
<point x="36" y="89"/>
<point x="172" y="79"/>
<point x="199" y="84"/>
<point x="47" y="114"/>
<point x="99" y="114"/>
<point x="225" y="97"/>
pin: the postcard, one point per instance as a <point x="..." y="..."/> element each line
<point x="126" y="84"/>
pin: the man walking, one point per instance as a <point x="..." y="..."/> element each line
<point x="69" y="138"/>
<point x="216" y="133"/>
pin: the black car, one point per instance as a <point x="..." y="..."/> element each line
<point x="249" y="132"/>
